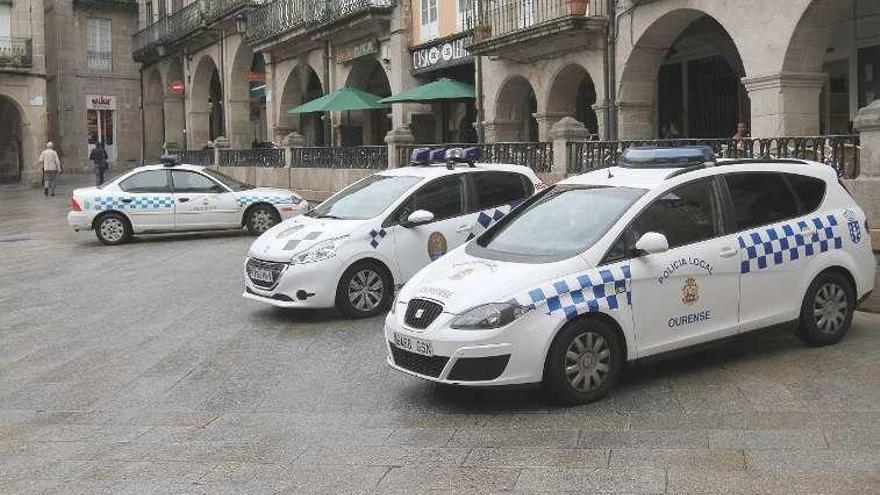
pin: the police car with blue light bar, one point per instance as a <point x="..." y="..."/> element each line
<point x="353" y="249"/>
<point x="667" y="250"/>
<point x="169" y="197"/>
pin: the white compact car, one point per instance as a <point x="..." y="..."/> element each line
<point x="178" y="198"/>
<point x="666" y="251"/>
<point x="353" y="249"/>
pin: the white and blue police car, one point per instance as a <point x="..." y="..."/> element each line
<point x="178" y="198"/>
<point x="353" y="249"/>
<point x="667" y="250"/>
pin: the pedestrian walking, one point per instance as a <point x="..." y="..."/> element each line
<point x="51" y="168"/>
<point x="99" y="157"/>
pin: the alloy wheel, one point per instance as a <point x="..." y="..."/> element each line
<point x="112" y="229"/>
<point x="587" y="362"/>
<point x="261" y="220"/>
<point x="365" y="290"/>
<point x="830" y="308"/>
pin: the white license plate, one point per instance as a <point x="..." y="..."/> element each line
<point x="261" y="275"/>
<point x="413" y="345"/>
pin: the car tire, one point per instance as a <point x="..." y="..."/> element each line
<point x="354" y="296"/>
<point x="261" y="218"/>
<point x="583" y="363"/>
<point x="113" y="229"/>
<point x="827" y="310"/>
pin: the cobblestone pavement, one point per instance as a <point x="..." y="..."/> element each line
<point x="139" y="369"/>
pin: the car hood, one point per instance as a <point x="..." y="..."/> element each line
<point x="297" y="234"/>
<point x="462" y="281"/>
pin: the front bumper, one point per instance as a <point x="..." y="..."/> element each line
<point x="311" y="285"/>
<point x="79" y="220"/>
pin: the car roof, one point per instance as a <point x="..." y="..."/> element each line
<point x="439" y="170"/>
<point x="162" y="166"/>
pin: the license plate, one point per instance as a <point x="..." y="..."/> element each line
<point x="413" y="345"/>
<point x="261" y="275"/>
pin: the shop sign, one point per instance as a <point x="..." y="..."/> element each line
<point x="177" y="87"/>
<point x="100" y="102"/>
<point x="443" y="53"/>
<point x="354" y="51"/>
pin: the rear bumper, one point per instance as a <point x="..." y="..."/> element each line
<point x="79" y="220"/>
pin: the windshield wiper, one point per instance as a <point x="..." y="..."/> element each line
<point x="333" y="217"/>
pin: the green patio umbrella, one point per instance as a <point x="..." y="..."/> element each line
<point x="341" y="100"/>
<point x="441" y="89"/>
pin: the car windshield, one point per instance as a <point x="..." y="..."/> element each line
<point x="565" y="221"/>
<point x="235" y="185"/>
<point x="366" y="198"/>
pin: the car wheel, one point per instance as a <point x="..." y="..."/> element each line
<point x="261" y="218"/>
<point x="827" y="310"/>
<point x="113" y="229"/>
<point x="365" y="289"/>
<point x="583" y="363"/>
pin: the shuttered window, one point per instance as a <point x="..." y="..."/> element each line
<point x="100" y="47"/>
<point x="430" y="26"/>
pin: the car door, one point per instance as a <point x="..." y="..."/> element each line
<point x="202" y="203"/>
<point x="416" y="246"/>
<point x="146" y="198"/>
<point x="496" y="194"/>
<point x="690" y="293"/>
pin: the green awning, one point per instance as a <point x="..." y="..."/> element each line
<point x="341" y="100"/>
<point x="441" y="89"/>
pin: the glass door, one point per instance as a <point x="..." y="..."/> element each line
<point x="102" y="129"/>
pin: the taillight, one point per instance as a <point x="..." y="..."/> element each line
<point x="74" y="204"/>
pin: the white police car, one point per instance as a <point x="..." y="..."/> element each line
<point x="632" y="262"/>
<point x="353" y="249"/>
<point x="177" y="198"/>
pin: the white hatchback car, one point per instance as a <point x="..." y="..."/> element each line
<point x="178" y="198"/>
<point x="655" y="255"/>
<point x="353" y="249"/>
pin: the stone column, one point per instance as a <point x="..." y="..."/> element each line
<point x="601" y="109"/>
<point x="635" y="120"/>
<point x="566" y="130"/>
<point x="220" y="143"/>
<point x="397" y="137"/>
<point x="499" y="131"/>
<point x="175" y="119"/>
<point x="866" y="187"/>
<point x="292" y="140"/>
<point x="785" y="104"/>
<point x="238" y="118"/>
<point x="546" y="121"/>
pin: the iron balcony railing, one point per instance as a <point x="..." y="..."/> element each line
<point x="112" y="3"/>
<point x="840" y="152"/>
<point x="16" y="52"/>
<point x="320" y="12"/>
<point x="537" y="156"/>
<point x="216" y="9"/>
<point x="274" y="18"/>
<point x="363" y="157"/>
<point x="151" y="35"/>
<point x="170" y="29"/>
<point x="252" y="157"/>
<point x="204" y="158"/>
<point x="495" y="18"/>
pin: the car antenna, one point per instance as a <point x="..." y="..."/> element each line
<point x="610" y="175"/>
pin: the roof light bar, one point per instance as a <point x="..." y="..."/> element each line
<point x="421" y="155"/>
<point x="169" y="160"/>
<point x="438" y="155"/>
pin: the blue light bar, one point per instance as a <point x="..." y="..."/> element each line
<point x="472" y="154"/>
<point x="421" y="155"/>
<point x="463" y="154"/>
<point x="438" y="155"/>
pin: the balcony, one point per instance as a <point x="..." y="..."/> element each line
<point x="16" y="53"/>
<point x="323" y="17"/>
<point x="218" y="9"/>
<point x="129" y="4"/>
<point x="525" y="30"/>
<point x="274" y="19"/>
<point x="187" y="25"/>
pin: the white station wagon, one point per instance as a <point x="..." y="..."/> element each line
<point x="666" y="251"/>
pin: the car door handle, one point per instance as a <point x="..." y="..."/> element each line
<point x="462" y="229"/>
<point x="126" y="200"/>
<point x="183" y="200"/>
<point x="728" y="252"/>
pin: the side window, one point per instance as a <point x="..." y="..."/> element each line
<point x="760" y="199"/>
<point x="150" y="181"/>
<point x="443" y="197"/>
<point x="498" y="188"/>
<point x="191" y="182"/>
<point x="810" y="191"/>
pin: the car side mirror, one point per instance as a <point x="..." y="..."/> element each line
<point x="652" y="243"/>
<point x="418" y="217"/>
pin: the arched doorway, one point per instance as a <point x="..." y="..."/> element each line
<point x="207" y="112"/>
<point x="515" y="112"/>
<point x="154" y="119"/>
<point x="302" y="85"/>
<point x="257" y="96"/>
<point x="573" y="85"/>
<point x="367" y="127"/>
<point x="693" y="67"/>
<point x="11" y="155"/>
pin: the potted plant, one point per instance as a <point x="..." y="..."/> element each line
<point x="578" y="7"/>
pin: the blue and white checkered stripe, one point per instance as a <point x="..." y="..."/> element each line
<point x="784" y="243"/>
<point x="376" y="236"/>
<point x="590" y="291"/>
<point x="490" y="217"/>
<point x="249" y="199"/>
<point x="103" y="203"/>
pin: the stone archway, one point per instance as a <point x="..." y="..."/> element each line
<point x="572" y="94"/>
<point x="11" y="142"/>
<point x="174" y="107"/>
<point x="154" y="119"/>
<point x="367" y="127"/>
<point x="515" y="108"/>
<point x="302" y="85"/>
<point x="238" y="97"/>
<point x="206" y="105"/>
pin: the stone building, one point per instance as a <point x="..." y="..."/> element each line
<point x="22" y="89"/>
<point x="93" y="83"/>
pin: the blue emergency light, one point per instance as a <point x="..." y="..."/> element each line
<point x="438" y="155"/>
<point x="421" y="155"/>
<point x="169" y="160"/>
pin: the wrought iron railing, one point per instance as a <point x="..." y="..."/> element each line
<point x="499" y="17"/>
<point x="840" y="152"/>
<point x="16" y="52"/>
<point x="369" y="157"/>
<point x="216" y="9"/>
<point x="184" y="22"/>
<point x="274" y="18"/>
<point x="116" y="3"/>
<point x="252" y="157"/>
<point x="537" y="156"/>
<point x="326" y="11"/>
<point x="151" y="35"/>
<point x="195" y="157"/>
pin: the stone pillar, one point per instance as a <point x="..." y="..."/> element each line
<point x="546" y="121"/>
<point x="499" y="131"/>
<point x="566" y="130"/>
<point x="635" y="120"/>
<point x="220" y="143"/>
<point x="866" y="187"/>
<point x="785" y="104"/>
<point x="238" y="122"/>
<point x="271" y="117"/>
<point x="292" y="140"/>
<point x="601" y="109"/>
<point x="397" y="137"/>
<point x="175" y="120"/>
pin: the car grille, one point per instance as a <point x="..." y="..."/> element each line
<point x="424" y="365"/>
<point x="275" y="268"/>
<point x="420" y="313"/>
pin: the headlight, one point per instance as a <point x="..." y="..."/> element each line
<point x="319" y="252"/>
<point x="396" y="301"/>
<point x="488" y="316"/>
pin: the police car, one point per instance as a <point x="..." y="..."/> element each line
<point x="174" y="198"/>
<point x="667" y="250"/>
<point x="353" y="249"/>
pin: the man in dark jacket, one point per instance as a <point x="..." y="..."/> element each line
<point x="98" y="156"/>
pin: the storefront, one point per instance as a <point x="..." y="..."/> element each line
<point x="101" y="123"/>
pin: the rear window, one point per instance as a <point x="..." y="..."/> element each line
<point x="499" y="188"/>
<point x="761" y="199"/>
<point x="810" y="191"/>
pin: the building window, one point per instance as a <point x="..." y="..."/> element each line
<point x="5" y="21"/>
<point x="99" y="45"/>
<point x="430" y="26"/>
<point x="149" y="13"/>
